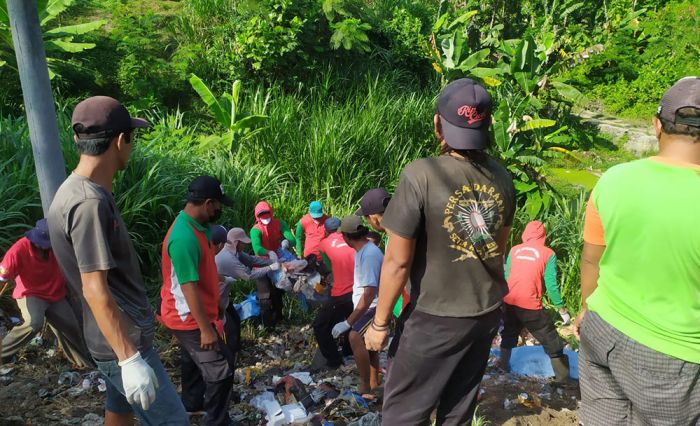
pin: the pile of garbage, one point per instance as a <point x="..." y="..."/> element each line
<point x="295" y="398"/>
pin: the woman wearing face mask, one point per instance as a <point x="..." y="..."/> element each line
<point x="268" y="235"/>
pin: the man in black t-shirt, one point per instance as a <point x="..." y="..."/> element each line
<point x="448" y="223"/>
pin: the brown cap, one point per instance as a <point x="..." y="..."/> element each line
<point x="684" y="94"/>
<point x="351" y="224"/>
<point x="101" y="116"/>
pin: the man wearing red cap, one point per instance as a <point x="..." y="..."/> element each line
<point x="97" y="257"/>
<point x="448" y="223"/>
<point x="269" y="234"/>
<point x="40" y="291"/>
<point x="532" y="266"/>
<point x="640" y="279"/>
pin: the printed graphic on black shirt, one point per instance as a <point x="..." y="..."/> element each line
<point x="472" y="215"/>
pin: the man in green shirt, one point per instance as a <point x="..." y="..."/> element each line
<point x="640" y="279"/>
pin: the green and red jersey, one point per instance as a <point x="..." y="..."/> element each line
<point x="188" y="257"/>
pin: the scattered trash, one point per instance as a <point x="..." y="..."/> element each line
<point x="69" y="378"/>
<point x="529" y="401"/>
<point x="355" y="398"/>
<point x="6" y="370"/>
<point x="508" y="404"/>
<point x="36" y="341"/>
<point x="92" y="419"/>
<point x="44" y="393"/>
<point x="15" y="320"/>
<point x="101" y="385"/>
<point x="532" y="361"/>
<point x="50" y="352"/>
<point x="369" y="419"/>
<point x="248" y="308"/>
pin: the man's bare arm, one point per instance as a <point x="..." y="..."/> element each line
<point x="110" y="319"/>
<point x="590" y="270"/>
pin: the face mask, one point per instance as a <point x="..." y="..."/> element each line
<point x="266" y="221"/>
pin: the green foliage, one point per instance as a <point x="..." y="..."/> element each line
<point x="58" y="40"/>
<point x="647" y="52"/>
<point x="350" y="33"/>
<point x="531" y="103"/>
<point x="149" y="69"/>
<point x="227" y="112"/>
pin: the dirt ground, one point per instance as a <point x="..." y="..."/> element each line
<point x="30" y="393"/>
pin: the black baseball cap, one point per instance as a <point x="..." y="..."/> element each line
<point x="373" y="202"/>
<point x="207" y="187"/>
<point x="464" y="107"/>
<point x="684" y="93"/>
<point x="101" y="116"/>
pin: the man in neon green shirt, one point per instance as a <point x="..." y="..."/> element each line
<point x="640" y="279"/>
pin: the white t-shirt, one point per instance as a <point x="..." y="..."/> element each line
<point x="368" y="267"/>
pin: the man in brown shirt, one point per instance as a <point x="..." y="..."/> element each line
<point x="448" y="223"/>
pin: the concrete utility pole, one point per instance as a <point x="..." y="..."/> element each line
<point x="38" y="98"/>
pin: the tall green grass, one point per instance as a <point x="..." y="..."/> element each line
<point x="331" y="141"/>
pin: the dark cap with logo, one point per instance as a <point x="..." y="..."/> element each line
<point x="465" y="114"/>
<point x="207" y="187"/>
<point x="373" y="202"/>
<point x="102" y="116"/>
<point x="684" y="94"/>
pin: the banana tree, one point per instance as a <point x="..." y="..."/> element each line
<point x="57" y="40"/>
<point x="226" y="110"/>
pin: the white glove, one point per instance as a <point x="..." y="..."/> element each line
<point x="272" y="255"/>
<point x="274" y="266"/>
<point x="139" y="380"/>
<point x="565" y="317"/>
<point x="285" y="244"/>
<point x="340" y="328"/>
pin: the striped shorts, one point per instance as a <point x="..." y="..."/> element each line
<point x="626" y="383"/>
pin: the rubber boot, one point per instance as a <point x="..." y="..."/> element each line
<point x="560" y="365"/>
<point x="504" y="359"/>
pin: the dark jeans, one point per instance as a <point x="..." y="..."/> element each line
<point x="439" y="364"/>
<point x="336" y="310"/>
<point x="536" y="321"/>
<point x="208" y="374"/>
<point x="271" y="301"/>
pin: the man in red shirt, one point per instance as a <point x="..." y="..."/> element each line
<point x="310" y="230"/>
<point x="40" y="291"/>
<point x="340" y="258"/>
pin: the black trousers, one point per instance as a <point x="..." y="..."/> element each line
<point x="207" y="377"/>
<point x="337" y="309"/>
<point x="271" y="301"/>
<point x="536" y="321"/>
<point x="439" y="364"/>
